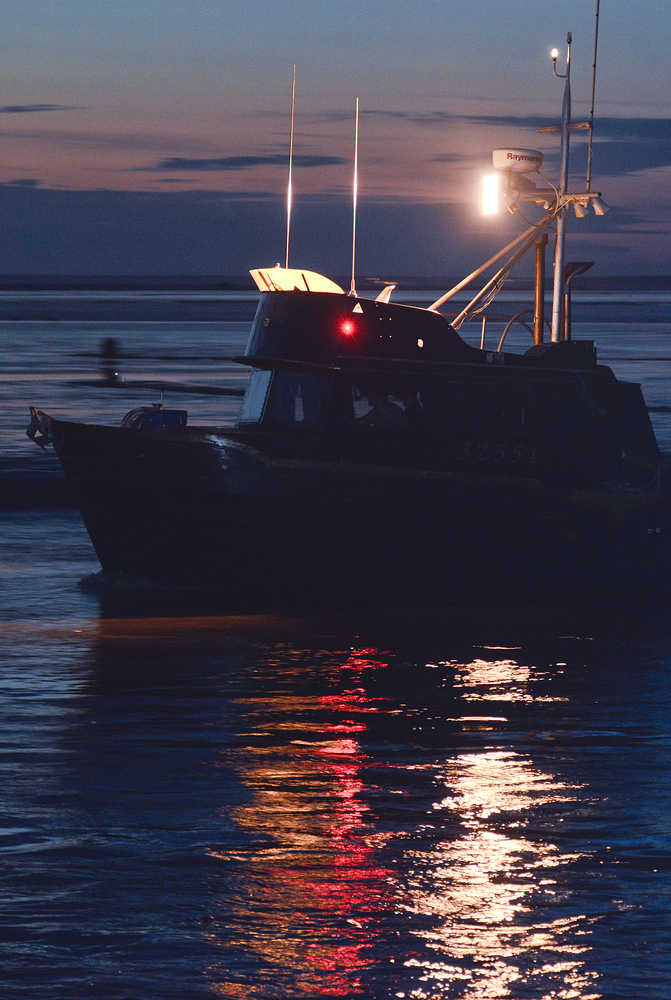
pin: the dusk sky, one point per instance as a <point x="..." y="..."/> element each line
<point x="151" y="138"/>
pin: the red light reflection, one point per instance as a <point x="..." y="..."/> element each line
<point x="319" y="877"/>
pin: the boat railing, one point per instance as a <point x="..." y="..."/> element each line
<point x="509" y="322"/>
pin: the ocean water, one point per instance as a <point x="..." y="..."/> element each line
<point x="408" y="806"/>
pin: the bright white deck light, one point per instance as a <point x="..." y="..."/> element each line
<point x="491" y="200"/>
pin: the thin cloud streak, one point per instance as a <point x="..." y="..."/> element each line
<point x="133" y="141"/>
<point x="236" y="163"/>
<point x="22" y="182"/>
<point x="30" y="109"/>
<point x="451" y="158"/>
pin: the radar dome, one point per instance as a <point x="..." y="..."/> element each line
<point x="520" y="161"/>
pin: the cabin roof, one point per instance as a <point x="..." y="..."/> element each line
<point x="293" y="279"/>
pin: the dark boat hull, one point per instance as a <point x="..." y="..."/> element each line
<point x="207" y="509"/>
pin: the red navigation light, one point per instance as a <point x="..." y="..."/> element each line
<point x="347" y="327"/>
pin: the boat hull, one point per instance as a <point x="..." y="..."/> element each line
<point x="207" y="509"/>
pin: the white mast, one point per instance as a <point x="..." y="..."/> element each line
<point x="563" y="184"/>
<point x="355" y="190"/>
<point x="291" y="164"/>
<point x="591" y="108"/>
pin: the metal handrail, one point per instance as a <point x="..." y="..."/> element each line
<point x="516" y="318"/>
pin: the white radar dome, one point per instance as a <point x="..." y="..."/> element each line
<point x="520" y="161"/>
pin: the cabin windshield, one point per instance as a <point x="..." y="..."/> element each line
<point x="286" y="399"/>
<point x="255" y="397"/>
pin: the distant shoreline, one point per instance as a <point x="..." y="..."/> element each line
<point x="195" y="283"/>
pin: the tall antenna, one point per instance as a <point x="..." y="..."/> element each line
<point x="591" y="109"/>
<point x="558" y="285"/>
<point x="291" y="163"/>
<point x="355" y="190"/>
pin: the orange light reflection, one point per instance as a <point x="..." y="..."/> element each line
<point x="320" y="881"/>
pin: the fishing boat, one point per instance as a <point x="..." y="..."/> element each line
<point x="380" y="459"/>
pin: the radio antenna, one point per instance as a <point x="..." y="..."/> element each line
<point x="291" y="163"/>
<point x="591" y="109"/>
<point x="355" y="190"/>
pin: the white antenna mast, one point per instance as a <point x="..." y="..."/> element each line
<point x="291" y="163"/>
<point x="355" y="190"/>
<point x="558" y="286"/>
<point x="591" y="109"/>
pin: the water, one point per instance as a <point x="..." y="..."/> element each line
<point x="216" y="806"/>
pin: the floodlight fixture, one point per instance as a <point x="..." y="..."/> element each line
<point x="491" y="194"/>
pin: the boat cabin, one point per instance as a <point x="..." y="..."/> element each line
<point x="375" y="381"/>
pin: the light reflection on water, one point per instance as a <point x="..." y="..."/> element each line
<point x="500" y="680"/>
<point x="489" y="891"/>
<point x="480" y="895"/>
<point x="299" y="811"/>
<point x="322" y="879"/>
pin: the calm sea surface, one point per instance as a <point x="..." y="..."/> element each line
<point x="268" y="808"/>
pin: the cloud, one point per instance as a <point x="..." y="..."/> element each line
<point x="179" y="231"/>
<point x="236" y="163"/>
<point x="610" y="128"/>
<point x="139" y="142"/>
<point x="621" y="145"/>
<point x="196" y="232"/>
<point x="612" y="159"/>
<point x="449" y="158"/>
<point x="24" y="109"/>
<point x="23" y="182"/>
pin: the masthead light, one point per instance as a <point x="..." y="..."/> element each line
<point x="554" y="55"/>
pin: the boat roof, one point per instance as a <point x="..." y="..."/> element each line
<point x="292" y="279"/>
<point x="334" y="329"/>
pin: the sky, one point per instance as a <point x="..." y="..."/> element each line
<point x="151" y="138"/>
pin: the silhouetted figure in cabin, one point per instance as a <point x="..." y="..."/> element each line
<point x="383" y="412"/>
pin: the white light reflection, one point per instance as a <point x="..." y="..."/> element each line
<point x="489" y="888"/>
<point x="500" y="680"/>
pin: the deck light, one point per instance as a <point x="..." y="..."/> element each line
<point x="491" y="200"/>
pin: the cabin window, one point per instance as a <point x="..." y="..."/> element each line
<point x="297" y="400"/>
<point x="255" y="397"/>
<point x="377" y="406"/>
